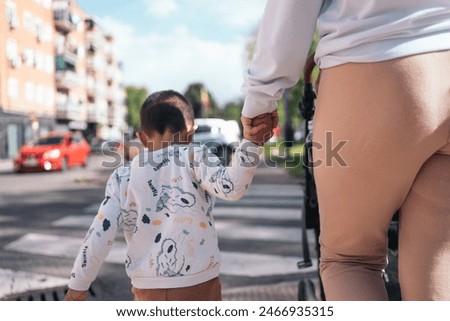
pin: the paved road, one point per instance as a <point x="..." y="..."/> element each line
<point x="44" y="216"/>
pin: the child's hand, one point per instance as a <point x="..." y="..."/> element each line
<point x="259" y="129"/>
<point x="73" y="295"/>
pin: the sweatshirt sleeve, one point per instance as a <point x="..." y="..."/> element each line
<point x="282" y="46"/>
<point x="231" y="182"/>
<point x="99" y="238"/>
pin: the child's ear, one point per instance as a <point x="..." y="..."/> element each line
<point x="190" y="132"/>
<point x="143" y="138"/>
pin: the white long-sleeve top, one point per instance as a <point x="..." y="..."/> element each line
<point x="163" y="202"/>
<point x="349" y="31"/>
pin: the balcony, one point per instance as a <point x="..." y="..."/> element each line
<point x="63" y="20"/>
<point x="69" y="110"/>
<point x="95" y="64"/>
<point x="69" y="53"/>
<point x="67" y="80"/>
<point x="98" y="112"/>
<point x="95" y="40"/>
<point x="66" y="61"/>
<point x="116" y="95"/>
<point x="116" y="115"/>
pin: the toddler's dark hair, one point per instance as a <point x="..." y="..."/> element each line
<point x="174" y="98"/>
<point x="160" y="117"/>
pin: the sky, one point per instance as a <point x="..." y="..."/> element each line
<point x="168" y="44"/>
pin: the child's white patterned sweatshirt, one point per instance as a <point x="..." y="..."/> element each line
<point x="163" y="201"/>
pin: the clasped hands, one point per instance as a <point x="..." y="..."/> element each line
<point x="259" y="129"/>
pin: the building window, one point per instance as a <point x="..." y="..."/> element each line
<point x="47" y="34"/>
<point x="28" y="21"/>
<point x="28" y="57"/>
<point x="11" y="14"/>
<point x="29" y="91"/>
<point x="39" y="61"/>
<point x="13" y="88"/>
<point x="50" y="97"/>
<point x="47" y="4"/>
<point x="40" y="94"/>
<point x="49" y="64"/>
<point x="11" y="48"/>
<point x="38" y="28"/>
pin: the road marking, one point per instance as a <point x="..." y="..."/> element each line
<point x="234" y="263"/>
<point x="219" y="213"/>
<point x="60" y="246"/>
<point x="260" y="213"/>
<point x="239" y="231"/>
<point x="259" y="265"/>
<point x="275" y="191"/>
<point x="74" y="221"/>
<point x="91" y="209"/>
<point x="15" y="282"/>
<point x="225" y="229"/>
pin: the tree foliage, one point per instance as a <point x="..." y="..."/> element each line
<point x="201" y="100"/>
<point x="135" y="98"/>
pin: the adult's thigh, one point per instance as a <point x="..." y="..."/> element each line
<point x="377" y="111"/>
<point x="424" y="235"/>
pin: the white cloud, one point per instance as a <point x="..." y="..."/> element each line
<point x="177" y="59"/>
<point x="238" y="13"/>
<point x="160" y="8"/>
<point x="231" y="13"/>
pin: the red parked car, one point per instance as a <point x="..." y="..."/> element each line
<point x="56" y="151"/>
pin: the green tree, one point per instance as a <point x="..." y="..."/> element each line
<point x="135" y="98"/>
<point x="201" y="100"/>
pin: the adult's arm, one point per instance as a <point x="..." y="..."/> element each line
<point x="284" y="39"/>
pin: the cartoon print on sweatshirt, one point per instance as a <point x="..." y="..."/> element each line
<point x="226" y="185"/>
<point x="171" y="198"/>
<point x="129" y="220"/>
<point x="170" y="262"/>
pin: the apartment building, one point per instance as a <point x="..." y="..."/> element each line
<point x="27" y="73"/>
<point x="105" y="92"/>
<point x="57" y="72"/>
<point x="70" y="65"/>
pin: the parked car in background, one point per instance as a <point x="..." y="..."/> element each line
<point x="99" y="146"/>
<point x="55" y="151"/>
<point x="221" y="136"/>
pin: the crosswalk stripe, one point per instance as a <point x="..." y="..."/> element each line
<point x="15" y="282"/>
<point x="225" y="230"/>
<point x="259" y="265"/>
<point x="268" y="202"/>
<point x="60" y="246"/>
<point x="83" y="221"/>
<point x="234" y="263"/>
<point x="275" y="191"/>
<point x="236" y="231"/>
<point x="260" y="213"/>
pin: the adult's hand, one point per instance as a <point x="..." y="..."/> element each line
<point x="260" y="126"/>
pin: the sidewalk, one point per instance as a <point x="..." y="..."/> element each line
<point x="6" y="165"/>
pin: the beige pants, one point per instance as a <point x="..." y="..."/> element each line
<point x="393" y="118"/>
<point x="208" y="291"/>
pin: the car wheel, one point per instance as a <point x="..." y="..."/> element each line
<point x="63" y="164"/>
<point x="17" y="169"/>
<point x="85" y="161"/>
